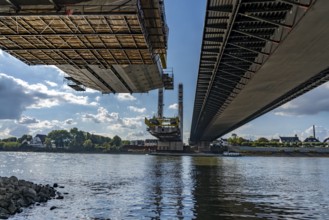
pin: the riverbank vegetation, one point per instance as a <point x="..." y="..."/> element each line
<point x="74" y="140"/>
<point x="235" y="140"/>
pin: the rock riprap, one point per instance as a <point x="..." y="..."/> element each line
<point x="16" y="194"/>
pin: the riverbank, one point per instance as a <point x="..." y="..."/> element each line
<point x="243" y="150"/>
<point x="185" y="154"/>
<point x="16" y="194"/>
<point x="281" y="151"/>
<point x="71" y="151"/>
<point x="284" y="154"/>
<point x="249" y="153"/>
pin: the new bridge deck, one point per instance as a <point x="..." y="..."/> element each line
<point x="111" y="46"/>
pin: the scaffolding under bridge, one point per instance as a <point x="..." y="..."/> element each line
<point x="113" y="46"/>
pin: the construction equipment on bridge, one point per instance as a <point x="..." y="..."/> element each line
<point x="113" y="46"/>
<point x="168" y="130"/>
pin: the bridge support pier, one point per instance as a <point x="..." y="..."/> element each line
<point x="203" y="146"/>
<point x="170" y="146"/>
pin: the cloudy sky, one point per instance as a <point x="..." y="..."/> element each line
<point x="35" y="99"/>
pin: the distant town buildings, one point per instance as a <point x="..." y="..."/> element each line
<point x="136" y="142"/>
<point x="151" y="142"/>
<point x="293" y="139"/>
<point x="223" y="142"/>
<point x="311" y="140"/>
<point x="147" y="145"/>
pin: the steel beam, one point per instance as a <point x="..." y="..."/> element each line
<point x="241" y="59"/>
<point x="255" y="36"/>
<point x="232" y="74"/>
<point x="230" y="27"/>
<point x="248" y="49"/>
<point x="63" y="14"/>
<point x="221" y="8"/>
<point x="239" y="68"/>
<point x="265" y="20"/>
<point x="71" y="34"/>
<point x="75" y="49"/>
<point x="14" y="4"/>
<point x="229" y="80"/>
<point x="296" y="3"/>
<point x="57" y="7"/>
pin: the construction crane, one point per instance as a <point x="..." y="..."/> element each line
<point x="168" y="129"/>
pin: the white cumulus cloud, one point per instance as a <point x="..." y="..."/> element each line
<point x="125" y="97"/>
<point x="69" y="121"/>
<point x="311" y="103"/>
<point x="138" y="135"/>
<point x="116" y="123"/>
<point x="52" y="84"/>
<point x="173" y="106"/>
<point x="135" y="109"/>
<point x="88" y="90"/>
<point x="97" y="98"/>
<point x="5" y="133"/>
<point x="102" y="116"/>
<point x="27" y="120"/>
<point x="320" y="132"/>
<point x="17" y="95"/>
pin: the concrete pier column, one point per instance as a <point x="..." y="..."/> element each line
<point x="170" y="146"/>
<point x="203" y="146"/>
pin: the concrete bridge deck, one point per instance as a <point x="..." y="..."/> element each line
<point x="269" y="53"/>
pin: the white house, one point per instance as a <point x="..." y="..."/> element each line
<point x="294" y="139"/>
<point x="224" y="142"/>
<point x="38" y="141"/>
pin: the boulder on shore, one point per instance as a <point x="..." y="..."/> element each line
<point x="16" y="194"/>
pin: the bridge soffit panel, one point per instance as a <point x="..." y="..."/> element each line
<point x="239" y="37"/>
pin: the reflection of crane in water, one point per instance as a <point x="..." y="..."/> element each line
<point x="168" y="130"/>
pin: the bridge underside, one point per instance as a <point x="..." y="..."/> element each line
<point x="111" y="46"/>
<point x="257" y="55"/>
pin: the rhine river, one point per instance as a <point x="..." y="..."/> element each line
<point x="104" y="186"/>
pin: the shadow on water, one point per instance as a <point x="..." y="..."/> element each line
<point x="214" y="199"/>
<point x="220" y="188"/>
<point x="226" y="190"/>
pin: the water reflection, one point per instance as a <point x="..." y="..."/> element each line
<point x="152" y="187"/>
<point x="214" y="198"/>
<point x="171" y="185"/>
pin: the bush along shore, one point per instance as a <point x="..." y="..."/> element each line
<point x="17" y="194"/>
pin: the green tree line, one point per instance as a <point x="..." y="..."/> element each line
<point x="74" y="139"/>
<point x="235" y="140"/>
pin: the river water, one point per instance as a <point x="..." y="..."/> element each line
<point x="103" y="186"/>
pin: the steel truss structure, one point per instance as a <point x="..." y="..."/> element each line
<point x="239" y="37"/>
<point x="111" y="46"/>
